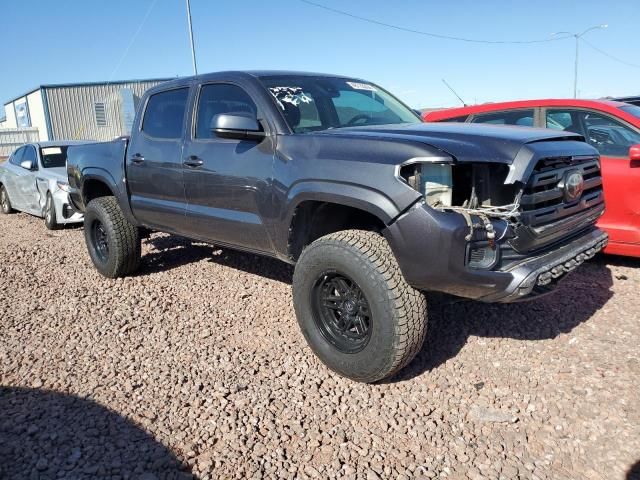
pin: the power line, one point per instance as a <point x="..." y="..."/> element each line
<point x="612" y="57"/>
<point x="133" y="39"/>
<point x="430" y="34"/>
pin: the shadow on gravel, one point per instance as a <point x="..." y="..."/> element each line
<point x="267" y="267"/>
<point x="45" y="434"/>
<point x="452" y="320"/>
<point x="634" y="472"/>
<point x="173" y="252"/>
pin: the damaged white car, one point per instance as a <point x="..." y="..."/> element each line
<point x="34" y="180"/>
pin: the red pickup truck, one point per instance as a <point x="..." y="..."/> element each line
<point x="611" y="127"/>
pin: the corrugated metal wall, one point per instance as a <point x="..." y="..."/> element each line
<point x="12" y="138"/>
<point x="72" y="113"/>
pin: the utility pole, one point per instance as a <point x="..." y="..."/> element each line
<point x="577" y="36"/>
<point x="193" y="49"/>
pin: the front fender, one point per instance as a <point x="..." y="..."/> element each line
<point x="350" y="195"/>
<point x="342" y="193"/>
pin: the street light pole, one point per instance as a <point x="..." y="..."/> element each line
<point x="575" y="69"/>
<point x="577" y="36"/>
<point x="193" y="50"/>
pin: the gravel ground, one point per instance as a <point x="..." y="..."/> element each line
<point x="196" y="366"/>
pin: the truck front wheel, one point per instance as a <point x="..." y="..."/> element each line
<point x="355" y="308"/>
<point x="113" y="243"/>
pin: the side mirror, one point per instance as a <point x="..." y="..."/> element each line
<point x="634" y="155"/>
<point x="236" y="125"/>
<point x="27" y="165"/>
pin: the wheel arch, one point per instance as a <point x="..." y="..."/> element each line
<point x="96" y="183"/>
<point x="329" y="208"/>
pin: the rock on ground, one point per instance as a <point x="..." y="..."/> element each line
<point x="195" y="366"/>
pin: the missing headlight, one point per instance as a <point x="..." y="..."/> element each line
<point x="433" y="180"/>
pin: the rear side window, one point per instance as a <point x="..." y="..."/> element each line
<point x="221" y="98"/>
<point x="164" y="115"/>
<point x="523" y="118"/>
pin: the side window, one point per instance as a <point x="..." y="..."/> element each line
<point x="164" y="115"/>
<point x="611" y="138"/>
<point x="523" y="118"/>
<point x="221" y="98"/>
<point x="461" y="119"/>
<point x="564" y="120"/>
<point x="16" y="158"/>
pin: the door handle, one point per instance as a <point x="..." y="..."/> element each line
<point x="193" y="161"/>
<point x="137" y="158"/>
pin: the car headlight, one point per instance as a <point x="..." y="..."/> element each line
<point x="64" y="186"/>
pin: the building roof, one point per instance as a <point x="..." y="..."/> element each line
<point x="86" y="84"/>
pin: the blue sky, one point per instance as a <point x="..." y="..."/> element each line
<point x="80" y="40"/>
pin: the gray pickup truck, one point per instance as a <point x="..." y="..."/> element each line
<point x="340" y="178"/>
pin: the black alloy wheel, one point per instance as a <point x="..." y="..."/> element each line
<point x="100" y="240"/>
<point x="341" y="312"/>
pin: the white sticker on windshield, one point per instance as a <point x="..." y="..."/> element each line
<point x="51" y="151"/>
<point x="362" y="86"/>
<point x="292" y="95"/>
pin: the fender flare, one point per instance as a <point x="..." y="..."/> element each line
<point x="349" y="195"/>
<point x="120" y="192"/>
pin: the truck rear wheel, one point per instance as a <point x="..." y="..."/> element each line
<point x="355" y="308"/>
<point x="113" y="243"/>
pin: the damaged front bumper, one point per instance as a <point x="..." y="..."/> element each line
<point x="432" y="250"/>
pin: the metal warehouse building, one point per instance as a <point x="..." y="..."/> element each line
<point x="77" y="111"/>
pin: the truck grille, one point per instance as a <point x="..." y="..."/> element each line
<point x="546" y="214"/>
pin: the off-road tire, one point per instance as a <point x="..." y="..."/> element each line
<point x="5" y="202"/>
<point x="398" y="312"/>
<point x="122" y="257"/>
<point x="50" y="220"/>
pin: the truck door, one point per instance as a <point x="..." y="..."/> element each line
<point x="227" y="181"/>
<point x="154" y="162"/>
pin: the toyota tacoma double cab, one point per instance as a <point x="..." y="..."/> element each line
<point x="341" y="179"/>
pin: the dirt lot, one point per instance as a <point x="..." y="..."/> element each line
<point x="197" y="365"/>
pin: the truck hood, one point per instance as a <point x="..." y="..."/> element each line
<point x="463" y="142"/>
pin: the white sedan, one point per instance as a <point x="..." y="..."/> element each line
<point x="34" y="180"/>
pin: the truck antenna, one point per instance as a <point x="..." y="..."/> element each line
<point x="454" y="92"/>
<point x="193" y="48"/>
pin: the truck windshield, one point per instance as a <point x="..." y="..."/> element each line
<point x="313" y="103"/>
<point x="53" y="157"/>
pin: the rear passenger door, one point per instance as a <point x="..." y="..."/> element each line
<point x="227" y="181"/>
<point x="154" y="161"/>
